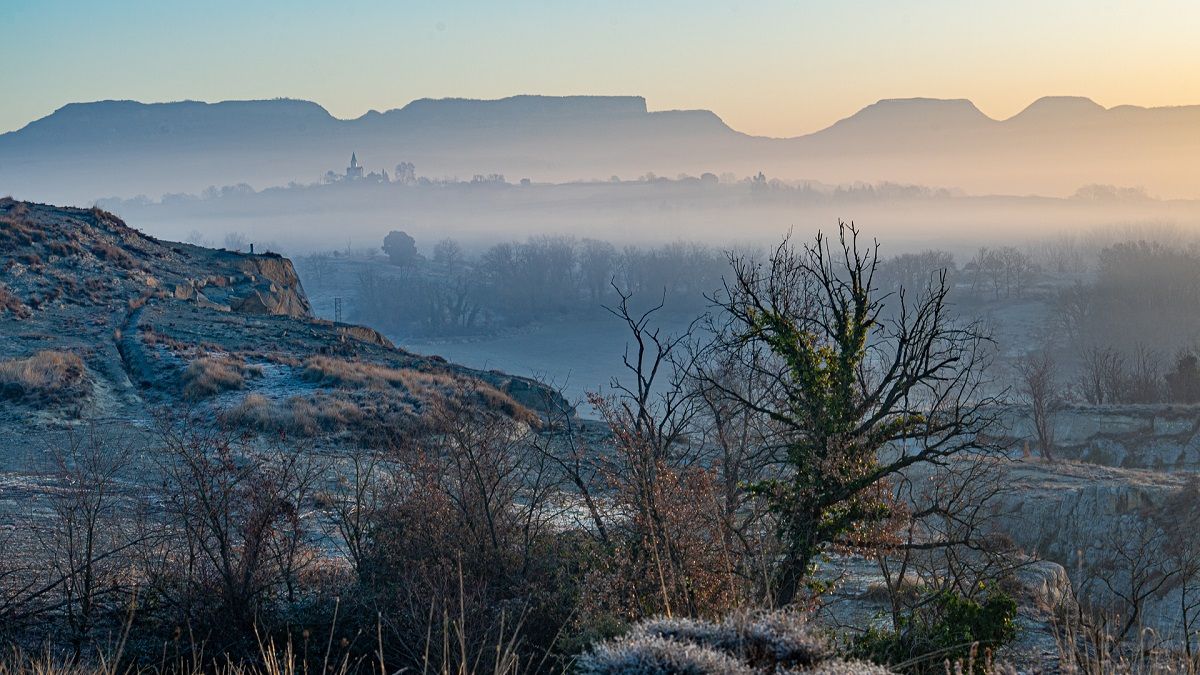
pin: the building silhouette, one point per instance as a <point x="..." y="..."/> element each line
<point x="355" y="170"/>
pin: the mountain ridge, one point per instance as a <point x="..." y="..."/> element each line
<point x="628" y="105"/>
<point x="125" y="148"/>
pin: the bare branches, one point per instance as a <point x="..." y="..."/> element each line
<point x="862" y="391"/>
<point x="660" y="411"/>
<point x="1038" y="378"/>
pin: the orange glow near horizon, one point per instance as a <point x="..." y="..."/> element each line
<point x="774" y="68"/>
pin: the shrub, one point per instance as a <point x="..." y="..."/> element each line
<point x="11" y="304"/>
<point x="949" y="627"/>
<point x="652" y="655"/>
<point x="64" y="248"/>
<point x="117" y="256"/>
<point x="761" y="639"/>
<point x="297" y="415"/>
<point x="744" y="642"/>
<point x="15" y="233"/>
<point x="211" y="375"/>
<point x="47" y="377"/>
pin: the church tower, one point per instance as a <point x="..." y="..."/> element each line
<point x="354" y="171"/>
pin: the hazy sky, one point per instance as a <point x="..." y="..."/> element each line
<point x="767" y="67"/>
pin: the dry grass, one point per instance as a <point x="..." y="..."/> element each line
<point x="11" y="304"/>
<point x="46" y="377"/>
<point x="211" y="375"/>
<point x="422" y="387"/>
<point x="69" y="248"/>
<point x="117" y="256"/>
<point x="498" y="657"/>
<point x="332" y="372"/>
<point x="15" y="232"/>
<point x="297" y="415"/>
<point x="1090" y="653"/>
<point x="270" y="661"/>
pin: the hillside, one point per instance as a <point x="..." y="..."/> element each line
<point x="85" y="151"/>
<point x="100" y="321"/>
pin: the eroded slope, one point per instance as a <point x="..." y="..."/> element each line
<point x="100" y="320"/>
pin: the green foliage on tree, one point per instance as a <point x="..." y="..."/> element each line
<point x="946" y="627"/>
<point x="865" y="385"/>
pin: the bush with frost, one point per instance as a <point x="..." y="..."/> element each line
<point x="745" y="642"/>
<point x="653" y="655"/>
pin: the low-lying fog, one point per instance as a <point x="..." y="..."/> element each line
<point x="515" y="277"/>
<point x="722" y="212"/>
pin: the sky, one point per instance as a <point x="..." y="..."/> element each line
<point x="768" y="67"/>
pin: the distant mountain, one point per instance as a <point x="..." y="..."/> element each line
<point x="123" y="148"/>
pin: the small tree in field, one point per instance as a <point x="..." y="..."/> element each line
<point x="400" y="248"/>
<point x="865" y="386"/>
<point x="1038" y="379"/>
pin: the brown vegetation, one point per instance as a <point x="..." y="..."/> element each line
<point x="121" y="258"/>
<point x="45" y="377"/>
<point x="423" y="387"/>
<point x="16" y="232"/>
<point x="297" y="416"/>
<point x="11" y="304"/>
<point x="211" y="375"/>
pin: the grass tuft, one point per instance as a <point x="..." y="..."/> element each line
<point x="11" y="304"/>
<point x="45" y="377"/>
<point x="211" y="375"/>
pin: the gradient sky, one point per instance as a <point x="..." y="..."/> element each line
<point x="766" y="67"/>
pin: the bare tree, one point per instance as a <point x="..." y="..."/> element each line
<point x="447" y="256"/>
<point x="741" y="448"/>
<point x="360" y="495"/>
<point x="1103" y="372"/>
<point x="583" y="467"/>
<point x="860" y="396"/>
<point x="947" y="541"/>
<point x="235" y="509"/>
<point x="87" y="531"/>
<point x="1039" y="387"/>
<point x="1177" y="518"/>
<point x="1136" y="567"/>
<point x="319" y="266"/>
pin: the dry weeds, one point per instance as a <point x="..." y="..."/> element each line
<point x="11" y="304"/>
<point x="296" y="415"/>
<point x="211" y="375"/>
<point x="45" y="377"/>
<point x="423" y="387"/>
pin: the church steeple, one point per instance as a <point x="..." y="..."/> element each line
<point x="355" y="170"/>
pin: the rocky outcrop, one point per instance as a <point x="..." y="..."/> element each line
<point x="364" y="334"/>
<point x="276" y="286"/>
<point x="1087" y="519"/>
<point x="1159" y="437"/>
